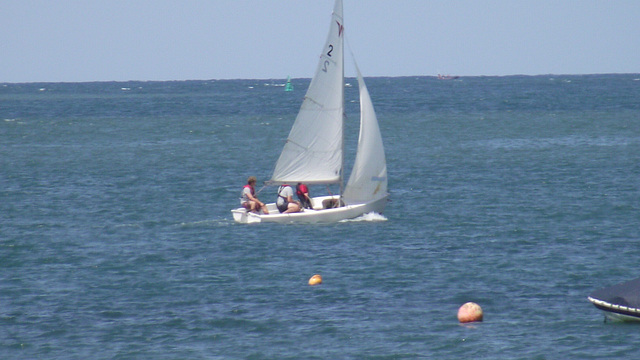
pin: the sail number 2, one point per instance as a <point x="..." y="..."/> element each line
<point x="327" y="62"/>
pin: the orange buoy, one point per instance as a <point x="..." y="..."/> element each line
<point x="470" y="312"/>
<point x="315" y="280"/>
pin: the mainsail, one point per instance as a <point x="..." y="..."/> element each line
<point x="368" y="180"/>
<point x="313" y="153"/>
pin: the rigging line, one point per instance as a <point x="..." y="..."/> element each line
<point x="262" y="188"/>
<point x="353" y="57"/>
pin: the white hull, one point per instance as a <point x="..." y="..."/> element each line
<point x="318" y="215"/>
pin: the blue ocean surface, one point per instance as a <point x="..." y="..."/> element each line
<point x="519" y="193"/>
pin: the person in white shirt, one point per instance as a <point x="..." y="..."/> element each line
<point x="248" y="198"/>
<point x="285" y="202"/>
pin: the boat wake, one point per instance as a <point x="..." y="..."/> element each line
<point x="205" y="223"/>
<point x="371" y="217"/>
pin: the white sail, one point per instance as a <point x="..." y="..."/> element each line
<point x="368" y="180"/>
<point x="313" y="152"/>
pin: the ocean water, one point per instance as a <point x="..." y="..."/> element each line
<point x="521" y="194"/>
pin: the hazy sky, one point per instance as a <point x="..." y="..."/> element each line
<point x="92" y="40"/>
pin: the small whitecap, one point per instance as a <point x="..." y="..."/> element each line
<point x="371" y="217"/>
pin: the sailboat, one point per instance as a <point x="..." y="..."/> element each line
<point x="314" y="151"/>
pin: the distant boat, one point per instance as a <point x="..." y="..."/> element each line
<point x="447" y="77"/>
<point x="313" y="153"/>
<point x="620" y="302"/>
<point x="289" y="85"/>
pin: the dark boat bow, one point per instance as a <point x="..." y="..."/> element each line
<point x="620" y="301"/>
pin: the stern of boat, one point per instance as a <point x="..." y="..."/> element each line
<point x="242" y="216"/>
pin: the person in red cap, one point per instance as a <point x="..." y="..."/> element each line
<point x="303" y="194"/>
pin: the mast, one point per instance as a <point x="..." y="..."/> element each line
<point x="344" y="115"/>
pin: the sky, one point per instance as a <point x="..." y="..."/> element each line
<point x="121" y="40"/>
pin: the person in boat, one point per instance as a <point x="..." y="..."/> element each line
<point x="249" y="200"/>
<point x="285" y="202"/>
<point x="303" y="194"/>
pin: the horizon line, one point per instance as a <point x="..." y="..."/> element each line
<point x="308" y="78"/>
